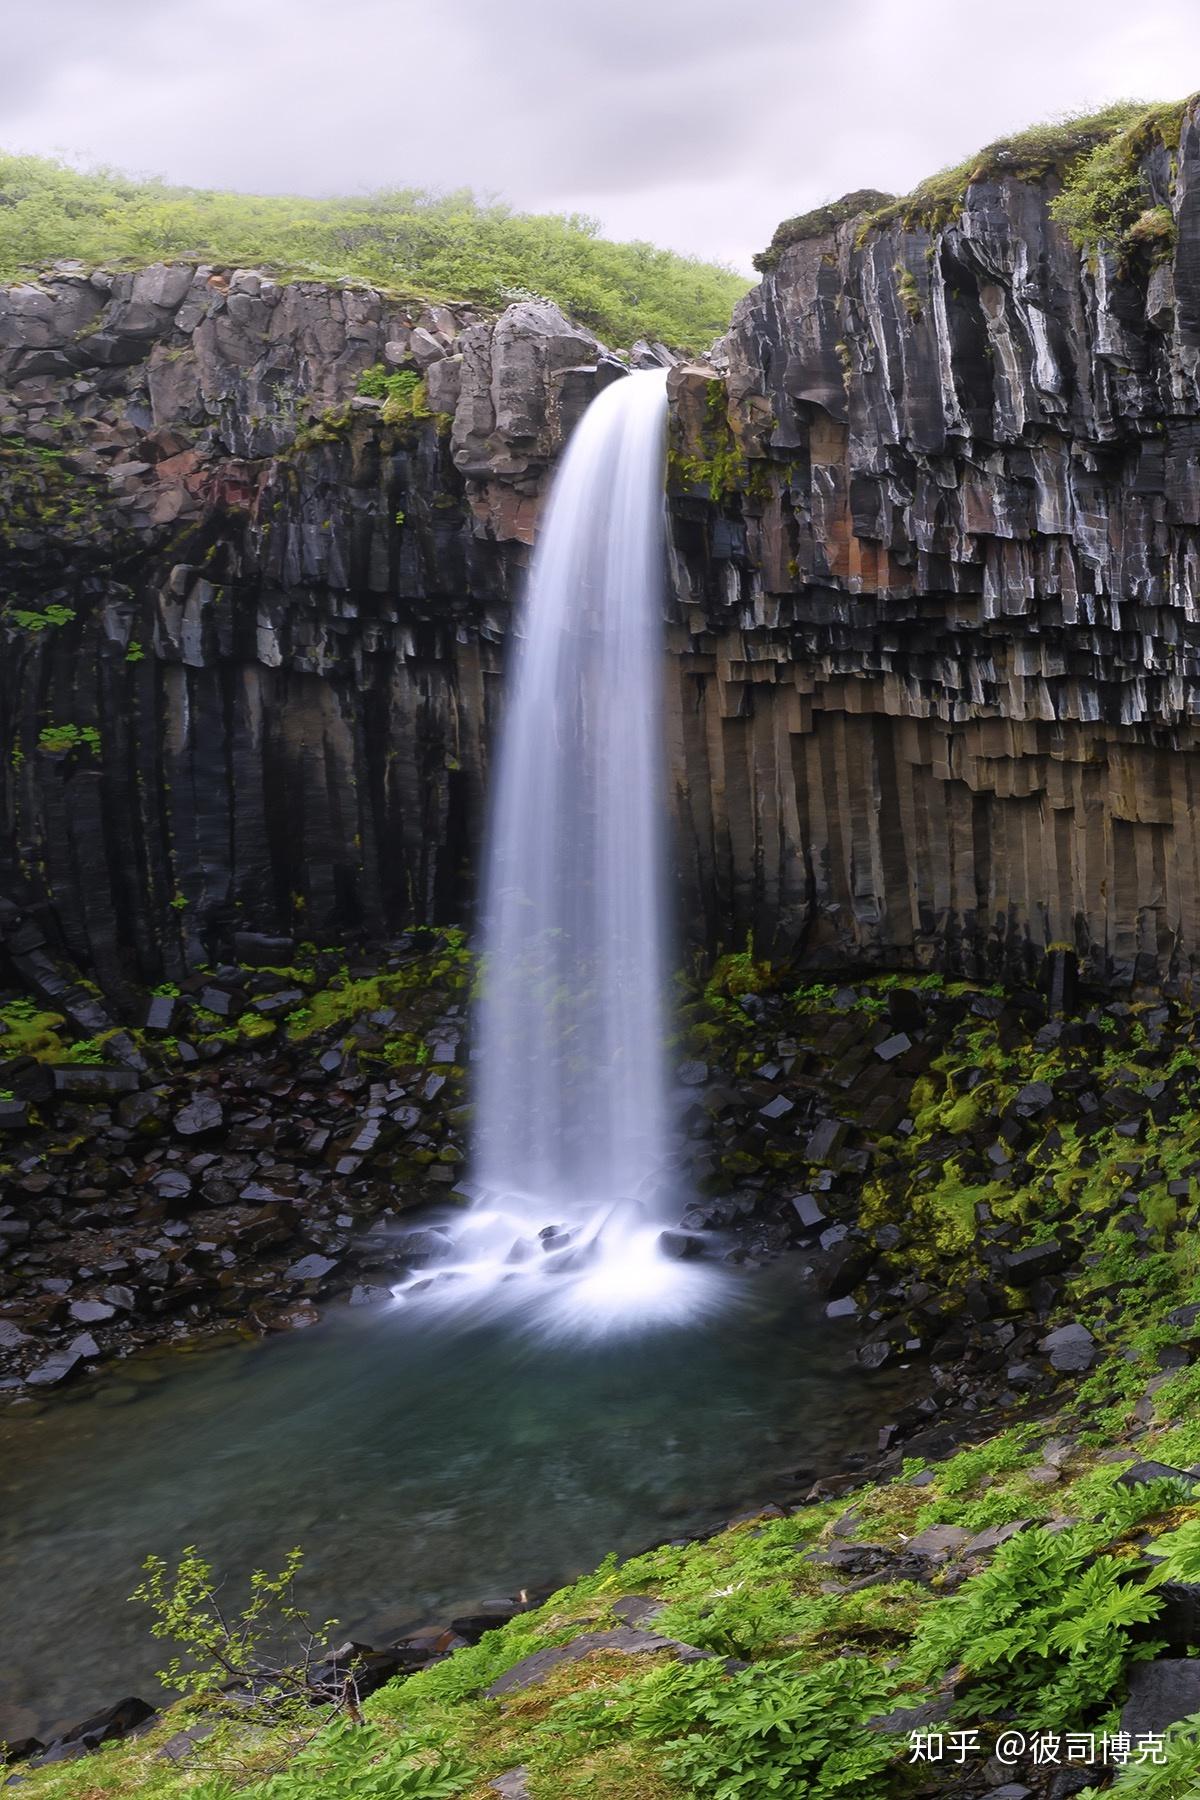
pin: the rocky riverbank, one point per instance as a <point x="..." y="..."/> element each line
<point x="968" y="1174"/>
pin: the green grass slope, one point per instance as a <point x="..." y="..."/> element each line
<point x="438" y="246"/>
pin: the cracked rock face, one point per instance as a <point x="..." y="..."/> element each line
<point x="254" y="621"/>
<point x="938" y="637"/>
<point x="933" y="672"/>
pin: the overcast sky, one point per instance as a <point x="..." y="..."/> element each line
<point x="692" y="123"/>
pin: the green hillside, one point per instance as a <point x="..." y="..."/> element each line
<point x="442" y="246"/>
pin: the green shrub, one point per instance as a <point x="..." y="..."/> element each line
<point x="1105" y="198"/>
<point x="438" y="246"/>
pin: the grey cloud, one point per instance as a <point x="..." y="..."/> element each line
<point x="689" y="122"/>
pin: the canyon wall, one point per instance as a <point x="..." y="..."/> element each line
<point x="935" y="559"/>
<point x="938" y="640"/>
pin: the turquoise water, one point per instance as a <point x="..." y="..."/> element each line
<point x="424" y="1467"/>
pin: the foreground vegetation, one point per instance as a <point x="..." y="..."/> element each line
<point x="807" y="1659"/>
<point x="407" y="240"/>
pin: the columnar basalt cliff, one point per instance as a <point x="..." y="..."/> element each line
<point x="933" y="631"/>
<point x="939" y="638"/>
<point x="252" y="616"/>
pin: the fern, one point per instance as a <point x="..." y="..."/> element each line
<point x="1045" y="1629"/>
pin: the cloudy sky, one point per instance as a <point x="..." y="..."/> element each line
<point x="694" y="123"/>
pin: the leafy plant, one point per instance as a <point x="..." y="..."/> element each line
<point x="779" y="1728"/>
<point x="69" y="737"/>
<point x="1045" y="1629"/>
<point x="350" y="1762"/>
<point x="36" y="622"/>
<point x="241" y="1653"/>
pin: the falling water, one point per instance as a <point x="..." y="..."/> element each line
<point x="572" y="1172"/>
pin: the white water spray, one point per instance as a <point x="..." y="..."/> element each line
<point x="572" y="1146"/>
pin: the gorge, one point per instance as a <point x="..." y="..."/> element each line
<point x="840" y="914"/>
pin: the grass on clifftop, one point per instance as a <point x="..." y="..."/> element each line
<point x="1096" y="155"/>
<point x="438" y="246"/>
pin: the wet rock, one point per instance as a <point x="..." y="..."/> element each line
<point x="679" y="1245"/>
<point x="93" y="1080"/>
<point x="114" y="1722"/>
<point x="298" y="1315"/>
<point x="809" y="1211"/>
<point x="312" y="1268"/>
<point x="1160" y="1694"/>
<point x="1141" y="1472"/>
<point x="160" y="1013"/>
<point x="56" y="1368"/>
<point x="364" y="1294"/>
<point x="938" y="1542"/>
<point x="1026" y="1265"/>
<point x="693" y="1074"/>
<point x="531" y="1670"/>
<point x="421" y="1247"/>
<point x="91" y="1312"/>
<point x="512" y="1785"/>
<point x="259" y="950"/>
<point x="825" y="1142"/>
<point x="986" y="1541"/>
<point x="893" y="1047"/>
<point x="173" y="1186"/>
<point x="358" y="1667"/>
<point x="778" y="1108"/>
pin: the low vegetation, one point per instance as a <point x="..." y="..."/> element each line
<point x="407" y="240"/>
<point x="1098" y="160"/>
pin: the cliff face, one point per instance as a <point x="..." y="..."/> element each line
<point x="939" y="643"/>
<point x="934" y="667"/>
<point x="251" y="618"/>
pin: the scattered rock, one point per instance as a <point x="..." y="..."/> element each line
<point x="201" y="1117"/>
<point x="1071" y="1348"/>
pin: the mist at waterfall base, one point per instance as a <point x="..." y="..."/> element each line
<point x="575" y="1166"/>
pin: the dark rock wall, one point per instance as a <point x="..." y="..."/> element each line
<point x="933" y="682"/>
<point x="938" y="641"/>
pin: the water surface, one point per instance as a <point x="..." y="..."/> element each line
<point x="424" y="1466"/>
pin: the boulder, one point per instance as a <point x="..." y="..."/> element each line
<point x="1160" y="1694"/>
<point x="1071" y="1348"/>
<point x="202" y="1117"/>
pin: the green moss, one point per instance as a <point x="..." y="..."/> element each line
<point x="819" y="223"/>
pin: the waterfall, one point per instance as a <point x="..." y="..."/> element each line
<point x="571" y="1163"/>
